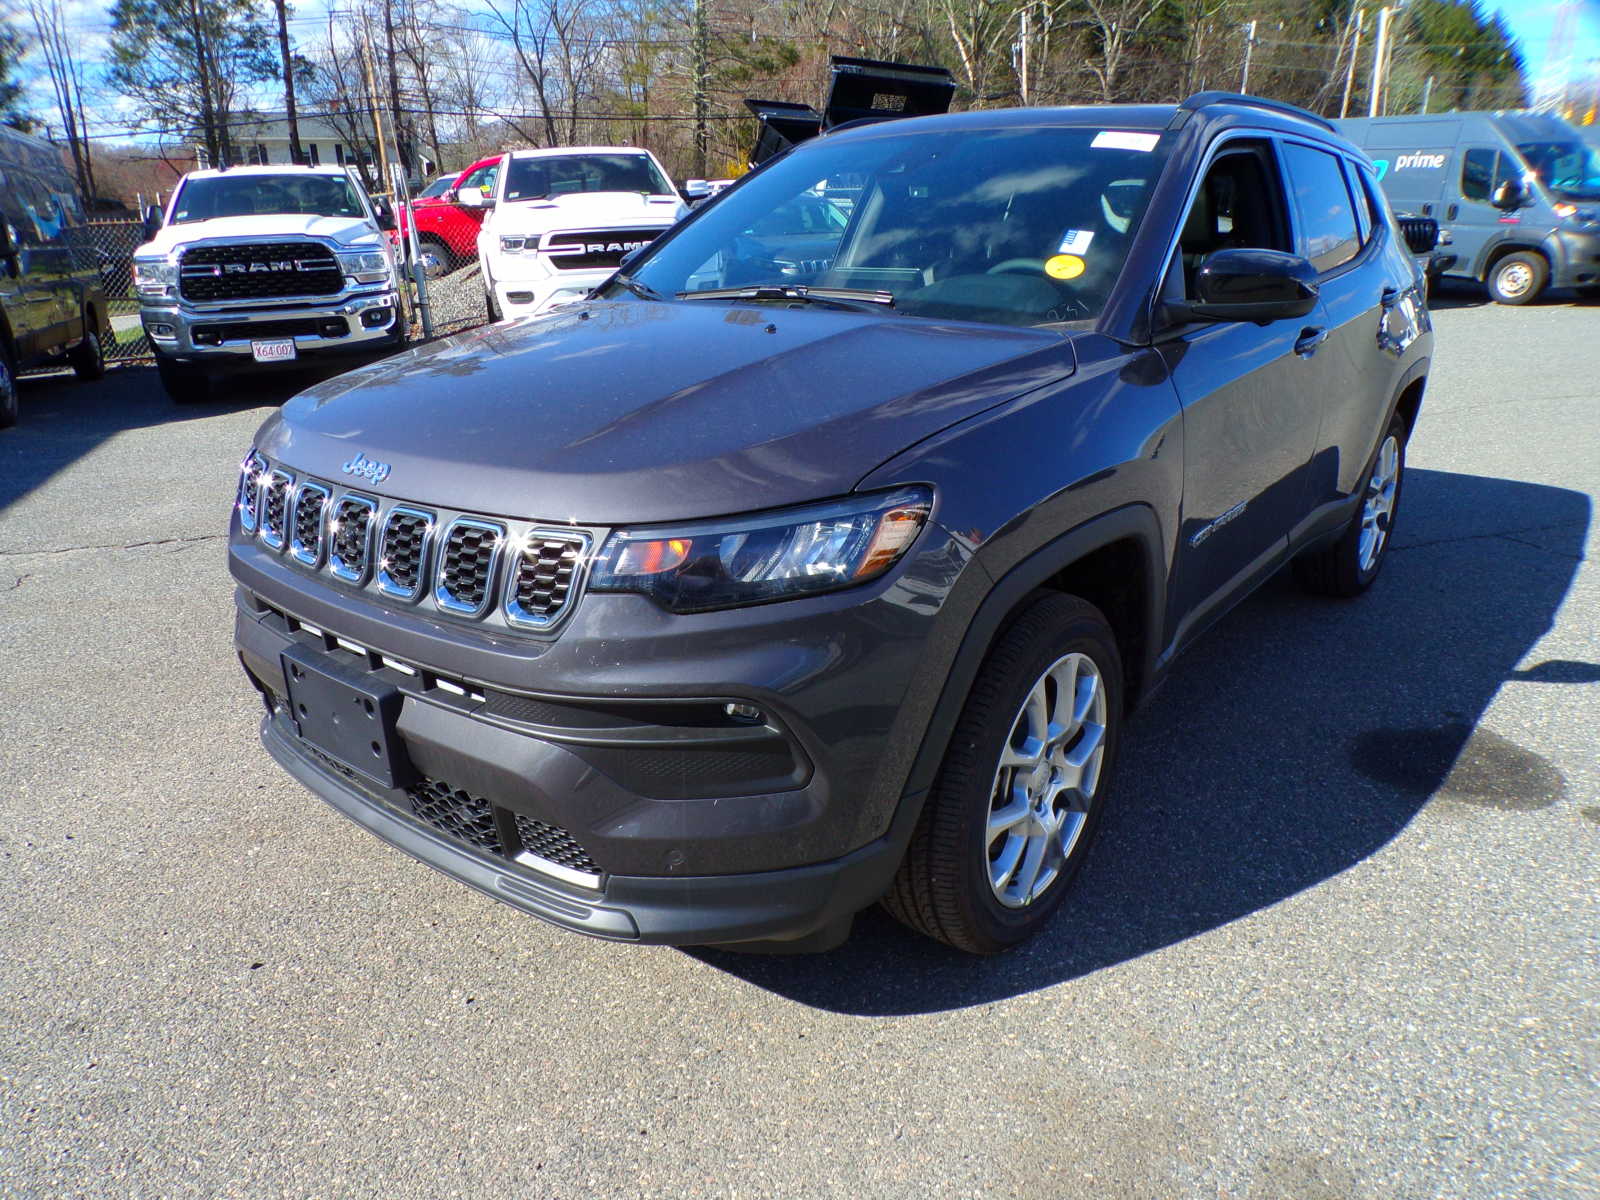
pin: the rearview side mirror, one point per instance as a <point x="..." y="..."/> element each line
<point x="1249" y="285"/>
<point x="152" y="222"/>
<point x="384" y="214"/>
<point x="1511" y="194"/>
<point x="474" y="198"/>
<point x="695" y="189"/>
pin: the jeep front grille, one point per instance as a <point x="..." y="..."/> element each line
<point x="403" y="552"/>
<point x="592" y="249"/>
<point x="350" y="553"/>
<point x="542" y="577"/>
<point x="250" y="477"/>
<point x="466" y="566"/>
<point x="310" y="508"/>
<point x="275" y="508"/>
<point x="258" y="271"/>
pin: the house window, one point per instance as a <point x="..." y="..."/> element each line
<point x="338" y="153"/>
<point x="312" y="155"/>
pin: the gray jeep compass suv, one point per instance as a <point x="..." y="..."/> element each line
<point x="799" y="569"/>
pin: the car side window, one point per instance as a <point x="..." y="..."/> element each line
<point x="1329" y="235"/>
<point x="483" y="178"/>
<point x="1367" y="218"/>
<point x="1481" y="171"/>
<point x="1239" y="205"/>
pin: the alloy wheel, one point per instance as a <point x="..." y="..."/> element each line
<point x="1377" y="513"/>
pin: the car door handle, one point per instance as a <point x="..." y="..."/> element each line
<point x="1451" y="213"/>
<point x="1390" y="297"/>
<point x="1309" y="340"/>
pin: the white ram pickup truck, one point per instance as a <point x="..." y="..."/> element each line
<point x="254" y="268"/>
<point x="560" y="221"/>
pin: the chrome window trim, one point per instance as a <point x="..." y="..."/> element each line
<point x="275" y="477"/>
<point x="513" y="612"/>
<point x="386" y="583"/>
<point x="442" y="598"/>
<point x="336" y="565"/>
<point x="297" y="549"/>
<point x="250" y="515"/>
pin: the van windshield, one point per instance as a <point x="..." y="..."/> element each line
<point x="1569" y="169"/>
<point x="263" y="195"/>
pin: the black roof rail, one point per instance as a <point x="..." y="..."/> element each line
<point x="1201" y="99"/>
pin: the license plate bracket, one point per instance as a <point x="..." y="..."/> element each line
<point x="273" y="350"/>
<point x="347" y="715"/>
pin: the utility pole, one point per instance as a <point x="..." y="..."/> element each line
<point x="1249" y="45"/>
<point x="1380" y="67"/>
<point x="702" y="53"/>
<point x="1350" y="71"/>
<point x="1022" y="53"/>
<point x="402" y="143"/>
<point x="1427" y="94"/>
<point x="296" y="154"/>
<point x="372" y="105"/>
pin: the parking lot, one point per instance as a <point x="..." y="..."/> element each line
<point x="1337" y="939"/>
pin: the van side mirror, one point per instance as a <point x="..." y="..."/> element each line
<point x="1249" y="285"/>
<point x="152" y="222"/>
<point x="1510" y="195"/>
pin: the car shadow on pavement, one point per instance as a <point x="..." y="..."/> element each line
<point x="1295" y="740"/>
<point x="62" y="419"/>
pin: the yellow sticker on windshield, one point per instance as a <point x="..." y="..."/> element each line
<point x="1064" y="266"/>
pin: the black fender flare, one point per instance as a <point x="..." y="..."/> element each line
<point x="1136" y="521"/>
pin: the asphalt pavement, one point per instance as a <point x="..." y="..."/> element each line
<point x="1338" y="939"/>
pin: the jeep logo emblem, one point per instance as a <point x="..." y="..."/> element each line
<point x="366" y="468"/>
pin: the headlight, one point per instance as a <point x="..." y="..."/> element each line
<point x="770" y="556"/>
<point x="368" y="266"/>
<point x="155" y="278"/>
<point x="512" y="245"/>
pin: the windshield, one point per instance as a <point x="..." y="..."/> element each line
<point x="564" y="174"/>
<point x="1010" y="227"/>
<point x="1569" y="169"/>
<point x="260" y="195"/>
<point x="438" y="187"/>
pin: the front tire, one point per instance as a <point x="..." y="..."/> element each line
<point x="1348" y="567"/>
<point x="1518" y="278"/>
<point x="183" y="384"/>
<point x="1018" y="798"/>
<point x="88" y="358"/>
<point x="10" y="406"/>
<point x="437" y="261"/>
<point x="490" y="304"/>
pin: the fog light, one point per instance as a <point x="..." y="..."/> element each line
<point x="162" y="331"/>
<point x="376" y="318"/>
<point x="744" y="712"/>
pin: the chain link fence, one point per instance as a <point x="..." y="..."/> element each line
<point x="456" y="299"/>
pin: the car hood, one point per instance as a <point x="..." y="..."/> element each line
<point x="630" y="412"/>
<point x="587" y="210"/>
<point x="344" y="230"/>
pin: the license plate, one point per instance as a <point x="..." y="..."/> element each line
<point x="346" y="715"/>
<point x="277" y="350"/>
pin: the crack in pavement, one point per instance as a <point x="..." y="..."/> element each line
<point x="20" y="580"/>
<point x="176" y="541"/>
<point x="1509" y="535"/>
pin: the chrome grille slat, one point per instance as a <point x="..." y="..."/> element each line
<point x="275" y="509"/>
<point x="350" y="545"/>
<point x="309" y="523"/>
<point x="468" y="556"/>
<point x="403" y="551"/>
<point x="544" y="572"/>
<point x="250" y="473"/>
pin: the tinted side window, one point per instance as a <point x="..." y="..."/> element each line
<point x="1481" y="170"/>
<point x="1366" y="211"/>
<point x="1328" y="231"/>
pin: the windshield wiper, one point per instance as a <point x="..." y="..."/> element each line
<point x="857" y="298"/>
<point x="643" y="290"/>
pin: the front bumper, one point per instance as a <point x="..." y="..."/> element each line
<point x="529" y="297"/>
<point x="223" y="336"/>
<point x="1574" y="258"/>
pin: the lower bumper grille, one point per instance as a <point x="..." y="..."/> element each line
<point x="473" y="820"/>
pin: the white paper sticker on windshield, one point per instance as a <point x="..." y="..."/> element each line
<point x="1075" y="241"/>
<point x="1121" y="139"/>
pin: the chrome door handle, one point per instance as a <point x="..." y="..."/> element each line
<point x="1309" y="340"/>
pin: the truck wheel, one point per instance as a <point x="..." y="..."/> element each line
<point x="8" y="391"/>
<point x="1518" y="278"/>
<point x="89" y="358"/>
<point x="437" y="261"/>
<point x="1018" y="797"/>
<point x="184" y="384"/>
<point x="490" y="304"/>
<point x="1348" y="567"/>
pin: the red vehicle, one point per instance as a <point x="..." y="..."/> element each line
<point x="447" y="232"/>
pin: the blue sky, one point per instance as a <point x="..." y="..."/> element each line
<point x="1535" y="24"/>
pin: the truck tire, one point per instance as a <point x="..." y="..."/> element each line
<point x="490" y="304"/>
<point x="1018" y="797"/>
<point x="443" y="261"/>
<point x="183" y="384"/>
<point x="1348" y="566"/>
<point x="9" y="405"/>
<point x="1518" y="278"/>
<point x="88" y="359"/>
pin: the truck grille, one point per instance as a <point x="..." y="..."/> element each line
<point x="310" y="505"/>
<point x="542" y="577"/>
<point x="403" y="551"/>
<point x="238" y="331"/>
<point x="349" y="555"/>
<point x="466" y="565"/>
<point x="258" y="271"/>
<point x="275" y="508"/>
<point x="591" y="249"/>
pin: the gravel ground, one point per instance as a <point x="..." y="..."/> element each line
<point x="1337" y="941"/>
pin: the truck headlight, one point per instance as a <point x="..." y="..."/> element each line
<point x="367" y="266"/>
<point x="155" y="279"/>
<point x="770" y="556"/>
<point x="512" y="245"/>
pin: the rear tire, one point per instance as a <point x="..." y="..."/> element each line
<point x="183" y="384"/>
<point x="9" y="404"/>
<point x="1518" y="278"/>
<point x="1348" y="567"/>
<point x="88" y="359"/>
<point x="445" y="261"/>
<point x="1018" y="798"/>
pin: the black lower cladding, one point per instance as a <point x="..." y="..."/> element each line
<point x="472" y="819"/>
